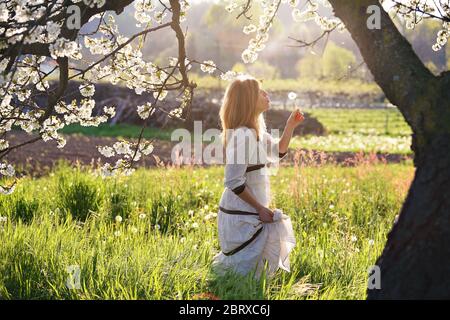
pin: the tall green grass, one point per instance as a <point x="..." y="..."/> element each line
<point x="163" y="246"/>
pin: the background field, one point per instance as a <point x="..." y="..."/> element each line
<point x="367" y="130"/>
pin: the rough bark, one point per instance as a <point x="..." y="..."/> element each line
<point x="416" y="259"/>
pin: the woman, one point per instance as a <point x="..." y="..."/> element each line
<point x="249" y="232"/>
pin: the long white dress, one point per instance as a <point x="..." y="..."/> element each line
<point x="238" y="222"/>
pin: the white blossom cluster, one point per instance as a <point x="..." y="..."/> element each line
<point x="270" y="8"/>
<point x="128" y="151"/>
<point x="413" y="13"/>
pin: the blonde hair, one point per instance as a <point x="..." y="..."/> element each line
<point x="239" y="107"/>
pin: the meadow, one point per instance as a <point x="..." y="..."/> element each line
<point x="349" y="130"/>
<point x="152" y="235"/>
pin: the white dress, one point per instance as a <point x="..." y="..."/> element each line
<point x="238" y="222"/>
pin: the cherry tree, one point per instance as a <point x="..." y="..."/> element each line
<point x="38" y="33"/>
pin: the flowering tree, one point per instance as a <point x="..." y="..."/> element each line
<point x="38" y="33"/>
<point x="40" y="39"/>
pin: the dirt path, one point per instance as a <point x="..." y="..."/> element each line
<point x="42" y="156"/>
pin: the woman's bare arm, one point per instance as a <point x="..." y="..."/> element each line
<point x="294" y="120"/>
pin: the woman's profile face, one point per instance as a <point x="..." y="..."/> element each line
<point x="263" y="101"/>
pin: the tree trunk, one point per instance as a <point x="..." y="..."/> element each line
<point x="416" y="259"/>
<point x="415" y="263"/>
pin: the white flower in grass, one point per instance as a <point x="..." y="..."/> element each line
<point x="353" y="238"/>
<point x="157" y="226"/>
<point x="195" y="246"/>
<point x="117" y="233"/>
<point x="331" y="206"/>
<point x="142" y="216"/>
<point x="134" y="230"/>
<point x="118" y="219"/>
<point x="195" y="225"/>
<point x="371" y="242"/>
<point x="3" y="219"/>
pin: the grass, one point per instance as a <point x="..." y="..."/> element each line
<point x="376" y="130"/>
<point x="384" y="122"/>
<point x="162" y="248"/>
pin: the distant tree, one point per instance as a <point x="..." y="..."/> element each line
<point x="259" y="69"/>
<point x="310" y="66"/>
<point x="336" y="61"/>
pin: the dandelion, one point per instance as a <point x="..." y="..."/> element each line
<point x="354" y="238"/>
<point x="195" y="247"/>
<point x="195" y="225"/>
<point x="331" y="206"/>
<point x="157" y="226"/>
<point x="134" y="230"/>
<point x="117" y="233"/>
<point x="292" y="95"/>
<point x="118" y="219"/>
<point x="371" y="242"/>
<point x="142" y="216"/>
<point x="183" y="239"/>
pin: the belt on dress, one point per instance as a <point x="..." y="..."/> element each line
<point x="237" y="211"/>
<point x="255" y="167"/>
<point x="246" y="243"/>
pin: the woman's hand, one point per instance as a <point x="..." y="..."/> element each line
<point x="265" y="214"/>
<point x="295" y="118"/>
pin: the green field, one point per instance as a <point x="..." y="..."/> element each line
<point x="162" y="249"/>
<point x="368" y="130"/>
